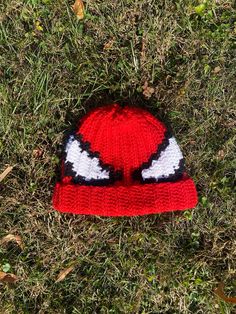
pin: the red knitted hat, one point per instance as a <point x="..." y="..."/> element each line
<point x="122" y="161"/>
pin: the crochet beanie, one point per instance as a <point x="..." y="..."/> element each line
<point x="122" y="161"/>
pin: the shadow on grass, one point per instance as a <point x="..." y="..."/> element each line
<point x="106" y="98"/>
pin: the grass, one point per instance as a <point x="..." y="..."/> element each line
<point x="55" y="68"/>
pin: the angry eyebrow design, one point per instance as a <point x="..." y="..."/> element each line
<point x="166" y="164"/>
<point x="85" y="166"/>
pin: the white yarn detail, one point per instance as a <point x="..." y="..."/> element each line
<point x="167" y="164"/>
<point x="82" y="164"/>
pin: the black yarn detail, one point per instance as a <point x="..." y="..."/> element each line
<point x="137" y="174"/>
<point x="117" y="175"/>
<point x="171" y="178"/>
<point x="114" y="175"/>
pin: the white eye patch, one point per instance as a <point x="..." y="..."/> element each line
<point x="82" y="164"/>
<point x="168" y="164"/>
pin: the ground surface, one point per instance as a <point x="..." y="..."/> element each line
<point x="53" y="69"/>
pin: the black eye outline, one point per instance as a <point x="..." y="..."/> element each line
<point x="179" y="171"/>
<point x="114" y="175"/>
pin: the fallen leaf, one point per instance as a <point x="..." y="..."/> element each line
<point x="7" y="277"/>
<point x="182" y="91"/>
<point x="6" y="267"/>
<point x="220" y="292"/>
<point x="207" y="68"/>
<point x="37" y="153"/>
<point x="108" y="45"/>
<point x="78" y="8"/>
<point x="38" y="26"/>
<point x="200" y="8"/>
<point x="5" y="173"/>
<point x="192" y="141"/>
<point x="230" y="123"/>
<point x="217" y="69"/>
<point x="63" y="273"/>
<point x="147" y="90"/>
<point x="221" y="154"/>
<point x="12" y="237"/>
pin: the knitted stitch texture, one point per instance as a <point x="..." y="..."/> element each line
<point x="122" y="161"/>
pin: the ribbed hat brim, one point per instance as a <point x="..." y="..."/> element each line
<point x="125" y="200"/>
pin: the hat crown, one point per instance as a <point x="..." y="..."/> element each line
<point x="125" y="137"/>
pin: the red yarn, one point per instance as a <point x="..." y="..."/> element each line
<point x="124" y="138"/>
